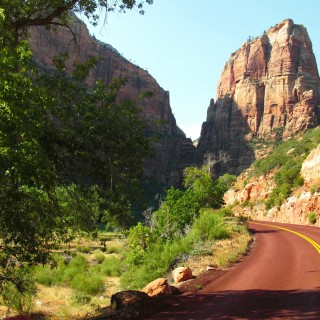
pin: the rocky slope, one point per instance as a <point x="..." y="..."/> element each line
<point x="270" y="86"/>
<point x="249" y="194"/>
<point x="173" y="151"/>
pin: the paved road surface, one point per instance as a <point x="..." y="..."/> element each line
<point x="280" y="279"/>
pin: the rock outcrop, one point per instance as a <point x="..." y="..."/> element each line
<point x="270" y="86"/>
<point x="310" y="170"/>
<point x="248" y="195"/>
<point x="158" y="287"/>
<point x="173" y="151"/>
<point x="125" y="299"/>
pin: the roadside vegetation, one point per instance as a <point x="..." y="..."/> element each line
<point x="286" y="158"/>
<point x="188" y="226"/>
<point x="71" y="158"/>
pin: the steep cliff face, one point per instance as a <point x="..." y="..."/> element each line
<point x="271" y="84"/>
<point x="173" y="151"/>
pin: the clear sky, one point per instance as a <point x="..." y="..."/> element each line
<point x="184" y="44"/>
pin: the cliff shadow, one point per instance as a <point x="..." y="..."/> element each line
<point x="226" y="132"/>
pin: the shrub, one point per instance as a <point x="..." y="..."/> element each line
<point x="112" y="267"/>
<point x="312" y="217"/>
<point x="84" y="249"/>
<point x="20" y="301"/>
<point x="114" y="249"/>
<point x="77" y="274"/>
<point x="99" y="256"/>
<point x="314" y="189"/>
<point x="81" y="298"/>
<point x="209" y="226"/>
<point x="156" y="262"/>
<point x="88" y="284"/>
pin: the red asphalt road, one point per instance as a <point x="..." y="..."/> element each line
<point x="280" y="279"/>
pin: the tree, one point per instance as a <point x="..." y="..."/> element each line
<point x="180" y="208"/>
<point x="21" y="14"/>
<point x="69" y="154"/>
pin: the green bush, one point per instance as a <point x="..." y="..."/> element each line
<point x="81" y="298"/>
<point x="77" y="274"/>
<point x="20" y="301"/>
<point x="84" y="249"/>
<point x="312" y="217"/>
<point x="88" y="283"/>
<point x="114" y="249"/>
<point x="99" y="256"/>
<point x="156" y="262"/>
<point x="209" y="226"/>
<point x="112" y="267"/>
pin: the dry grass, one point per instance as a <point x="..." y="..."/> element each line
<point x="223" y="252"/>
<point x="59" y="303"/>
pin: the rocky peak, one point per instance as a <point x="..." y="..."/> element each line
<point x="173" y="151"/>
<point x="270" y="84"/>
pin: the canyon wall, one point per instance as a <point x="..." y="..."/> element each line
<point x="173" y="151"/>
<point x="269" y="87"/>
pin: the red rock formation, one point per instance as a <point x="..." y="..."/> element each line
<point x="173" y="151"/>
<point x="310" y="170"/>
<point x="181" y="274"/>
<point x="248" y="198"/>
<point x="158" y="287"/>
<point x="270" y="83"/>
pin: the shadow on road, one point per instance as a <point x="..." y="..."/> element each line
<point x="263" y="231"/>
<point x="251" y="304"/>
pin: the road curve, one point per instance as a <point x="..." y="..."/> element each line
<point x="280" y="279"/>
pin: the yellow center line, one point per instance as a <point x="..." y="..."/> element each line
<point x="311" y="241"/>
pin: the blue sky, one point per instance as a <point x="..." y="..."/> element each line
<point x="184" y="44"/>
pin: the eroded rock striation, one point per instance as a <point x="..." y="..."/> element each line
<point x="173" y="151"/>
<point x="270" y="86"/>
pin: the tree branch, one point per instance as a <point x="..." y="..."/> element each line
<point x="45" y="20"/>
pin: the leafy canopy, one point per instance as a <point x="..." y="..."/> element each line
<point x="69" y="155"/>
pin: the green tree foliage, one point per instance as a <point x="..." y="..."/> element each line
<point x="69" y="154"/>
<point x="179" y="225"/>
<point x="22" y="14"/>
<point x="140" y="239"/>
<point x="180" y="208"/>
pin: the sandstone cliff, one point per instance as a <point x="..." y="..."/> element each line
<point x="173" y="151"/>
<point x="269" y="86"/>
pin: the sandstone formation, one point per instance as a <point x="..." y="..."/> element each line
<point x="173" y="151"/>
<point x="181" y="274"/>
<point x="310" y="170"/>
<point x="269" y="87"/>
<point x="158" y="287"/>
<point x="247" y="198"/>
<point x="125" y="299"/>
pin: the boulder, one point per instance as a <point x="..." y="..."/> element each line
<point x="158" y="287"/>
<point x="125" y="299"/>
<point x="181" y="274"/>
